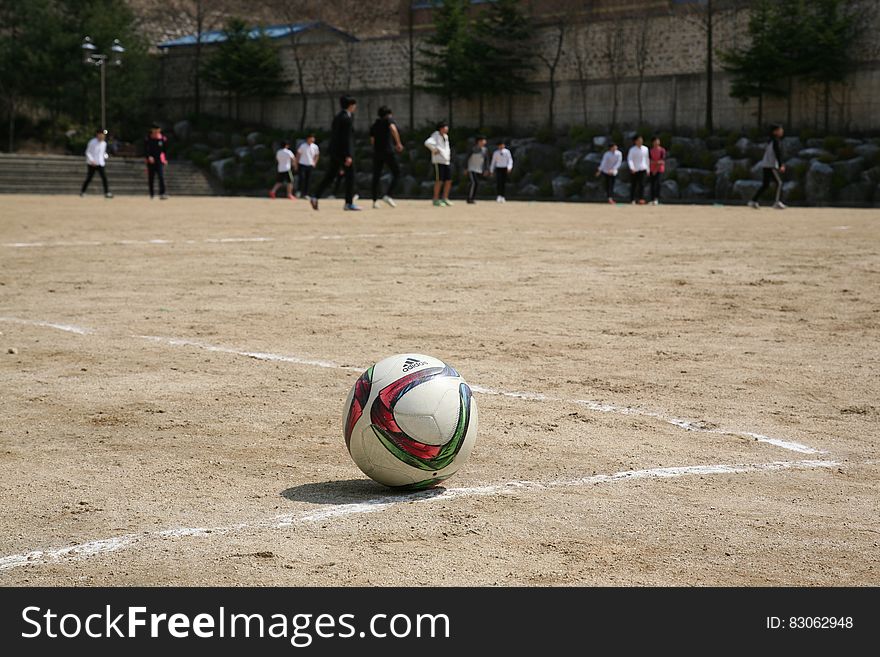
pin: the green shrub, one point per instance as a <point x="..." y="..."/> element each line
<point x="545" y="190"/>
<point x="846" y="152"/>
<point x="739" y="173"/>
<point x="579" y="134"/>
<point x="706" y="160"/>
<point x="545" y="135"/>
<point x="575" y="186"/>
<point x="833" y="143"/>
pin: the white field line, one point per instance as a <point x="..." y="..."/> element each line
<point x="69" y="328"/>
<point x="221" y="240"/>
<point x="600" y="407"/>
<point x="81" y="551"/>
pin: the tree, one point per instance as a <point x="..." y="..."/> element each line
<point x="551" y="58"/>
<point x="640" y="58"/>
<point x="446" y="60"/>
<point x="833" y="28"/>
<point x="614" y="54"/>
<point x="244" y="64"/>
<point x="702" y="13"/>
<point x="756" y="69"/>
<point x="503" y="52"/>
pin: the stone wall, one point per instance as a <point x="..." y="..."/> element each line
<point x="673" y="90"/>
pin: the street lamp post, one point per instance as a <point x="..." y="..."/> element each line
<point x="91" y="57"/>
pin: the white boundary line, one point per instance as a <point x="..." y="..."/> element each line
<point x="79" y="551"/>
<point x="600" y="407"/>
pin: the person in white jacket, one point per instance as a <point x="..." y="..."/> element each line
<point x="96" y="159"/>
<point x="501" y="166"/>
<point x="639" y="162"/>
<point x="608" y="168"/>
<point x="441" y="158"/>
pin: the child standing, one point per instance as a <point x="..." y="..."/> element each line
<point x="286" y="161"/>
<point x="155" y="147"/>
<point x="477" y="166"/>
<point x="502" y="165"/>
<point x="657" y="156"/>
<point x="638" y="161"/>
<point x="608" y="168"/>
<point x="773" y="167"/>
<point x="441" y="158"/>
<point x="308" y="154"/>
<point x="96" y="159"/>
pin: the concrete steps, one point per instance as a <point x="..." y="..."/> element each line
<point x="64" y="174"/>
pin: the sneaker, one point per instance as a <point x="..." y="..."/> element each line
<point x="611" y="201"/>
<point x="655" y="202"/>
<point x="314" y="201"/>
<point x="375" y="205"/>
<point x="389" y="201"/>
<point x="641" y="201"/>
<point x="446" y="202"/>
<point x="291" y="197"/>
<point x="82" y="194"/>
<point x="351" y="207"/>
<point x="163" y="197"/>
<point x="108" y="195"/>
<point x="499" y="199"/>
<point x="779" y="205"/>
<point x="271" y="194"/>
<point x="469" y="202"/>
<point x="299" y="194"/>
<point x="355" y="198"/>
<point x="754" y="205"/>
<point x="503" y="199"/>
<point x="437" y="204"/>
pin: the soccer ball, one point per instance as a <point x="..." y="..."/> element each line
<point x="410" y="421"/>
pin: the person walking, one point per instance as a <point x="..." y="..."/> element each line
<point x="477" y="167"/>
<point x="441" y="158"/>
<point x="608" y="169"/>
<point x="773" y="168"/>
<point x="307" y="156"/>
<point x="657" y="156"/>
<point x="341" y="154"/>
<point x="385" y="138"/>
<point x="638" y="161"/>
<point x="501" y="166"/>
<point x="96" y="160"/>
<point x="155" y="148"/>
<point x="286" y="164"/>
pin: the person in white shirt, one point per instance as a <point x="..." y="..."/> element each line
<point x="96" y="159"/>
<point x="638" y="160"/>
<point x="501" y="166"/>
<point x="608" y="169"/>
<point x="441" y="158"/>
<point x="308" y="154"/>
<point x="286" y="166"/>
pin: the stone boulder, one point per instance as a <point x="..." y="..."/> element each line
<point x="621" y="190"/>
<point x="671" y="164"/>
<point x="223" y="169"/>
<point x="696" y="192"/>
<point x="791" y="190"/>
<point x="856" y="194"/>
<point x="571" y="158"/>
<point x="812" y="153"/>
<point x="688" y="175"/>
<point x="542" y="157"/>
<point x="601" y="142"/>
<point x="871" y="176"/>
<point x="560" y="186"/>
<point x="743" y="146"/>
<point x="794" y="163"/>
<point x="818" y="183"/>
<point x="254" y="138"/>
<point x="529" y="191"/>
<point x="216" y="138"/>
<point x="669" y="190"/>
<point x="242" y="152"/>
<point x="849" y="169"/>
<point x="262" y="153"/>
<point x="237" y="140"/>
<point x="815" y="142"/>
<point x="588" y="165"/>
<point x="745" y="189"/>
<point x="182" y="130"/>
<point x="724" y="166"/>
<point x="868" y="151"/>
<point x="791" y="145"/>
<point x="593" y="190"/>
<point x="407" y="185"/>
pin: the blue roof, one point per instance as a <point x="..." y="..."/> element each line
<point x="272" y="31"/>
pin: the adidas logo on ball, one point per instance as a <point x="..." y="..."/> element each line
<point x="412" y="363"/>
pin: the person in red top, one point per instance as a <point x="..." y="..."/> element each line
<point x="155" y="147"/>
<point x="657" y="156"/>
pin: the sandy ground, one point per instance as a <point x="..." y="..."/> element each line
<point x="204" y="466"/>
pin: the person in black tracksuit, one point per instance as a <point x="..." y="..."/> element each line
<point x="385" y="138"/>
<point x="341" y="154"/>
<point x="155" y="145"/>
<point x="773" y="168"/>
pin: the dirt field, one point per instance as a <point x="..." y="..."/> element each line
<point x="172" y="378"/>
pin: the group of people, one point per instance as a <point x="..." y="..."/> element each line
<point x="650" y="163"/>
<point x="643" y="162"/>
<point x="155" y="153"/>
<point x="386" y="141"/>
